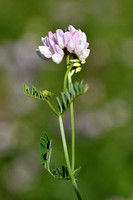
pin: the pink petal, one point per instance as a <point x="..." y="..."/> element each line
<point x="79" y="47"/>
<point x="57" y="49"/>
<point x="60" y="32"/>
<point x="71" y="29"/>
<point x="82" y="37"/>
<point x="60" y="40"/>
<point x="66" y="38"/>
<point x="70" y="46"/>
<point x="44" y="41"/>
<point x="51" y="42"/>
<point x="50" y="35"/>
<point x="86" y="45"/>
<point x="75" y="38"/>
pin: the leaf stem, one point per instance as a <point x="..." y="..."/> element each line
<point x="67" y="158"/>
<point x="53" y="109"/>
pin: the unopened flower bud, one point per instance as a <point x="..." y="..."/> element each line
<point x="75" y="60"/>
<point x="46" y="94"/>
<point x="78" y="69"/>
<point x="76" y="65"/>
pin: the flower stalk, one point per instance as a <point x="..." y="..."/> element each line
<point x="72" y="116"/>
<point x="73" y="130"/>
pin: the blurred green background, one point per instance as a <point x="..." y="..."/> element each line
<point x="103" y="116"/>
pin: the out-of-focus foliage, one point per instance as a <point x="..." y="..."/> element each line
<point x="103" y="116"/>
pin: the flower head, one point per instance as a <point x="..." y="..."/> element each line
<point x="56" y="45"/>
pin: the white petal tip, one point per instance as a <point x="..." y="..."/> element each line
<point x="41" y="55"/>
<point x="57" y="58"/>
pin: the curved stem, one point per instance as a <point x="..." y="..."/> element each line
<point x="67" y="158"/>
<point x="66" y="75"/>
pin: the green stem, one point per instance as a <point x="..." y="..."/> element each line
<point x="68" y="76"/>
<point x="72" y="127"/>
<point x="65" y="147"/>
<point x="67" y="158"/>
<point x="73" y="136"/>
<point x="53" y="109"/>
<point x="76" y="190"/>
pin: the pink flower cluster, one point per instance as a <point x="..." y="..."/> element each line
<point x="56" y="44"/>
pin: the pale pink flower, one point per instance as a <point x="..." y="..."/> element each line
<point x="56" y="44"/>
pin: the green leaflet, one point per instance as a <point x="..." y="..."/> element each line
<point x="45" y="156"/>
<point x="72" y="90"/>
<point x="64" y="100"/>
<point x="59" y="104"/>
<point x="68" y="96"/>
<point x="61" y="173"/>
<point x="76" y="86"/>
<point x="76" y="171"/>
<point x="45" y="148"/>
<point x="36" y="93"/>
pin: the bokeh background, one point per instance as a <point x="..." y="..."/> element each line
<point x="103" y="116"/>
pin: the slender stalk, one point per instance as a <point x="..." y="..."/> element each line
<point x="68" y="76"/>
<point x="67" y="158"/>
<point x="65" y="147"/>
<point x="76" y="190"/>
<point x="52" y="108"/>
<point x="72" y="127"/>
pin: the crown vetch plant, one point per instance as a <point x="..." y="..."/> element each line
<point x="71" y="44"/>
